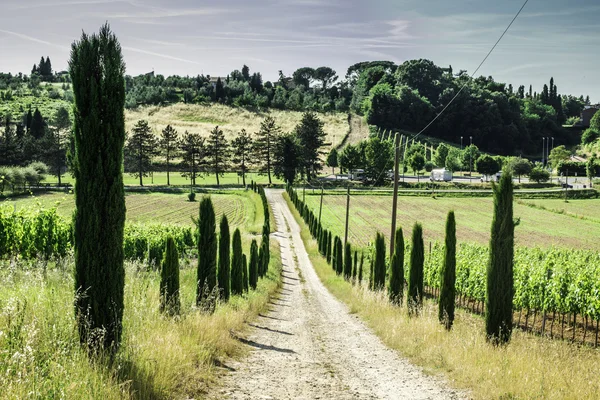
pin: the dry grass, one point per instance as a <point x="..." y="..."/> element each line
<point x="203" y="118"/>
<point x="529" y="367"/>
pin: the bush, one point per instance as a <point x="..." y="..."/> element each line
<point x="539" y="175"/>
<point x="589" y="136"/>
<point x="192" y="196"/>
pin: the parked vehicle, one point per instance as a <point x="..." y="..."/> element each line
<point x="440" y="175"/>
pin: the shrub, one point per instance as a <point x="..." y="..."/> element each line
<point x="589" y="136"/>
<point x="224" y="259"/>
<point x="360" y="268"/>
<point x="192" y="196"/>
<point x="539" y="175"/>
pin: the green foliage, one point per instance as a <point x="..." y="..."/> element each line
<point x="99" y="219"/>
<point x="253" y="267"/>
<point x="332" y="158"/>
<point x="559" y="154"/>
<point x="237" y="265"/>
<point x="379" y="267"/>
<point x="347" y="262"/>
<point x="415" y="281"/>
<point x="242" y="153"/>
<point x="168" y="146"/>
<point x="339" y="260"/>
<point x="589" y="136"/>
<point x="169" y="279"/>
<point x="264" y="145"/>
<point x="207" y="251"/>
<point x="500" y="287"/>
<point x="360" y="268"/>
<point x="223" y="277"/>
<point x="140" y="149"/>
<point x="245" y="278"/>
<point x="311" y="138"/>
<point x="539" y="175"/>
<point x="396" y="286"/>
<point x="286" y="157"/>
<point x="595" y="122"/>
<point x="378" y="155"/>
<point x="487" y="165"/>
<point x="518" y="166"/>
<point x="448" y="275"/>
<point x="218" y="152"/>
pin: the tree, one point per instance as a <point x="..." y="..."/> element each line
<point x="500" y="286"/>
<point x="440" y="155"/>
<point x="242" y="153"/>
<point x="237" y="264"/>
<point x="595" y="122"/>
<point x="193" y="153"/>
<point x="378" y="156"/>
<point x="264" y="145"/>
<point x="169" y="279"/>
<point x="487" y="165"/>
<point x="207" y="251"/>
<point x="223" y="277"/>
<point x="9" y="146"/>
<point x="245" y="272"/>
<point x="350" y="158"/>
<point x="360" y="268"/>
<point x="416" y="162"/>
<point x="139" y="150"/>
<point x="245" y="73"/>
<point x="589" y="136"/>
<point x="169" y="147"/>
<point x="303" y="76"/>
<point x="218" y="152"/>
<point x="326" y="75"/>
<point x="286" y="155"/>
<point x="311" y="138"/>
<point x="396" y="287"/>
<point x="539" y="174"/>
<point x="558" y="154"/>
<point x="518" y="166"/>
<point x="379" y="263"/>
<point x="415" y="282"/>
<point x="347" y="262"/>
<point x="591" y="168"/>
<point x="339" y="260"/>
<point x="97" y="70"/>
<point x="56" y="148"/>
<point x="448" y="275"/>
<point x="253" y="268"/>
<point x="219" y="91"/>
<point x="332" y="160"/>
<point x="468" y="157"/>
<point x="38" y="125"/>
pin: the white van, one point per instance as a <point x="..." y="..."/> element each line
<point x="439" y="175"/>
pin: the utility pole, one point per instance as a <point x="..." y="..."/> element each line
<point x="321" y="205"/>
<point x="471" y="159"/>
<point x="395" y="199"/>
<point x="347" y="214"/>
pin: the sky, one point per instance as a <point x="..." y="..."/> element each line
<point x="550" y="38"/>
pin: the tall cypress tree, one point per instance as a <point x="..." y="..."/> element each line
<point x="347" y="262"/>
<point x="396" y="288"/>
<point x="245" y="272"/>
<point x="224" y="258"/>
<point x="97" y="70"/>
<point x="448" y="275"/>
<point x="379" y="266"/>
<point x="415" y="282"/>
<point x="38" y="125"/>
<point x="169" y="279"/>
<point x="500" y="284"/>
<point x="207" y="251"/>
<point x="339" y="260"/>
<point x="237" y="265"/>
<point x="360" y="268"/>
<point x="355" y="267"/>
<point x="328" y="244"/>
<point x="253" y="267"/>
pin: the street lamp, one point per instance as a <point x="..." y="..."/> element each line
<point x="470" y="159"/>
<point x="543" y="150"/>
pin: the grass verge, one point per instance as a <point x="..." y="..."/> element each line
<point x="529" y="367"/>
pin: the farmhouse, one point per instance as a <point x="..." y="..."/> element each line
<point x="587" y="114"/>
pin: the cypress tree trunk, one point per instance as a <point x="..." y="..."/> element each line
<point x="396" y="287"/>
<point x="97" y="70"/>
<point x="339" y="258"/>
<point x="237" y="264"/>
<point x="448" y="275"/>
<point x="223" y="277"/>
<point x="347" y="262"/>
<point x="207" y="251"/>
<point x="415" y="282"/>
<point x="379" y="267"/>
<point x="360" y="268"/>
<point x="500" y="286"/>
<point x="169" y="279"/>
<point x="245" y="272"/>
<point x="253" y="268"/>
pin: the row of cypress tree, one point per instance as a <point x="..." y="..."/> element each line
<point x="500" y="287"/>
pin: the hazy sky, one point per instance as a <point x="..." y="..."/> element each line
<point x="551" y="38"/>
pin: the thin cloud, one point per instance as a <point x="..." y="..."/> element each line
<point x="33" y="39"/>
<point x="168" y="13"/>
<point x="152" y="53"/>
<point x="70" y="3"/>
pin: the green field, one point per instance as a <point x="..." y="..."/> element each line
<point x="538" y="227"/>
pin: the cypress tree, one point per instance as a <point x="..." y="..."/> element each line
<point x="169" y="279"/>
<point x="360" y="268"/>
<point x="245" y="272"/>
<point x="500" y="286"/>
<point x="97" y="70"/>
<point x="339" y="261"/>
<point x="253" y="268"/>
<point x="417" y="259"/>
<point x="38" y="125"/>
<point x="207" y="251"/>
<point x="379" y="266"/>
<point x="328" y="243"/>
<point x="224" y="259"/>
<point x="334" y="253"/>
<point x="448" y="275"/>
<point x="371" y="272"/>
<point x="347" y="262"/>
<point x="355" y="268"/>
<point x="396" y="288"/>
<point x="266" y="255"/>
<point x="237" y="264"/>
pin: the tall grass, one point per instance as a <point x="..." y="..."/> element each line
<point x="529" y="367"/>
<point x="161" y="357"/>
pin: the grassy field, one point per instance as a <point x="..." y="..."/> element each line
<point x="538" y="227"/>
<point x="203" y="118"/>
<point x="582" y="209"/>
<point x="529" y="367"/>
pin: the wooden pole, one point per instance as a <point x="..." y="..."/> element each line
<point x="395" y="199"/>
<point x="347" y="214"/>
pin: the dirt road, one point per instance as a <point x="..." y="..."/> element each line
<point x="308" y="346"/>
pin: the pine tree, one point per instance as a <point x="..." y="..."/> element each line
<point x="311" y="138"/>
<point x="396" y="288"/>
<point x="264" y="145"/>
<point x="448" y="275"/>
<point x="169" y="279"/>
<point x="139" y="150"/>
<point x="242" y="153"/>
<point x="223" y="277"/>
<point x="379" y="265"/>
<point x="169" y="147"/>
<point x="218" y="153"/>
<point x="253" y="267"/>
<point x="207" y="251"/>
<point x="347" y="262"/>
<point x="339" y="260"/>
<point x="193" y="153"/>
<point x="245" y="272"/>
<point x="500" y="284"/>
<point x="99" y="217"/>
<point x="415" y="282"/>
<point x="286" y="155"/>
<point x="237" y="265"/>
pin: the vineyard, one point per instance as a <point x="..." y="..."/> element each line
<point x="557" y="290"/>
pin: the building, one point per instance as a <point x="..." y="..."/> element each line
<point x="213" y="80"/>
<point x="587" y="114"/>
